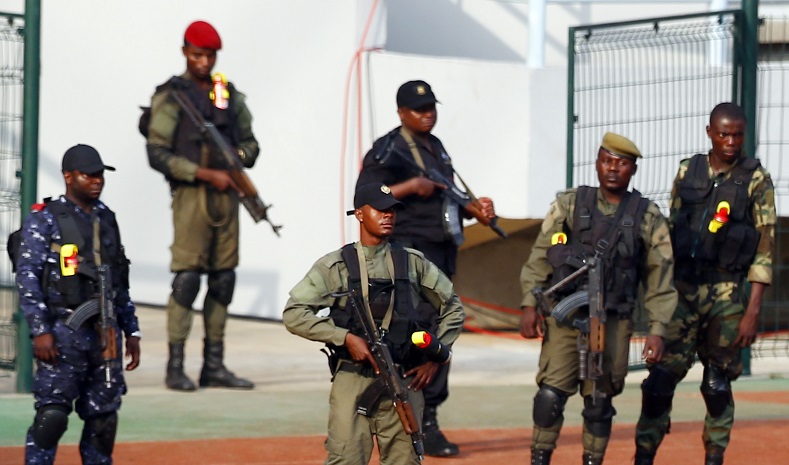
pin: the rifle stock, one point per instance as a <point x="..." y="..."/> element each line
<point x="249" y="194"/>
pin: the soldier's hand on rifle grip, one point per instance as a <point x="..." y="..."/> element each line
<point x="653" y="349"/>
<point x="220" y="179"/>
<point x="423" y="187"/>
<point x="133" y="352"/>
<point x="531" y="324"/>
<point x="44" y="348"/>
<point x="359" y="350"/>
<point x="423" y="375"/>
<point x="487" y="207"/>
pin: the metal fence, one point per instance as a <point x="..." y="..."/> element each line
<point x="773" y="150"/>
<point x="11" y="96"/>
<point x="655" y="81"/>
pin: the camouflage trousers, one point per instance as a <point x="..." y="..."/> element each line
<point x="705" y="323"/>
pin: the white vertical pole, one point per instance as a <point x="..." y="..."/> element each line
<point x="537" y="15"/>
<point x="718" y="51"/>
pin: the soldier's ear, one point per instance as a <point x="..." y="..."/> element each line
<point x="358" y="214"/>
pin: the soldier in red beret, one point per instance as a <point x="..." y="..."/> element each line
<point x="204" y="201"/>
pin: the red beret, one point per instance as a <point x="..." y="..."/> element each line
<point x="203" y="35"/>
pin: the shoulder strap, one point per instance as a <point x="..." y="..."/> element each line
<point x="742" y="173"/>
<point x="351" y="259"/>
<point x="69" y="232"/>
<point x="400" y="258"/>
<point x="633" y="208"/>
<point x="585" y="202"/>
<point x="697" y="171"/>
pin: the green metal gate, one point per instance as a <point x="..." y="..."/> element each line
<point x="655" y="81"/>
<point x="11" y="100"/>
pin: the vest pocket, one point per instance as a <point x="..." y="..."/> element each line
<point x="736" y="247"/>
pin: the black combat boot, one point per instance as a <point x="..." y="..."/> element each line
<point x="587" y="459"/>
<point x="215" y="374"/>
<point x="436" y="445"/>
<point x="713" y="458"/>
<point x="176" y="379"/>
<point x="644" y="457"/>
<point x="541" y="456"/>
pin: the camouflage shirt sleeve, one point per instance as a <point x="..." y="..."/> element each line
<point x="537" y="271"/>
<point x="34" y="254"/>
<point x="660" y="296"/>
<point x="762" y="195"/>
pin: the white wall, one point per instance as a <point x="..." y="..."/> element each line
<point x="502" y="122"/>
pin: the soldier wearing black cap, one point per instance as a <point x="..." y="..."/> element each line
<point x="633" y="238"/>
<point x="406" y="293"/>
<point x="429" y="222"/>
<point x="204" y="202"/>
<point x="56" y="273"/>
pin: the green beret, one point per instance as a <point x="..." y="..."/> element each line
<point x="620" y="146"/>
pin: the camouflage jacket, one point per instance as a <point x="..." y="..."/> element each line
<point x="761" y="195"/>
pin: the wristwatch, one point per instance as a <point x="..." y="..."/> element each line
<point x="136" y="334"/>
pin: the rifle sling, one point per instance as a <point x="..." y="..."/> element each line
<point x="418" y="158"/>
<point x="96" y="238"/>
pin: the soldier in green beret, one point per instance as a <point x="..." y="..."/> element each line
<point x="632" y="238"/>
<point x="723" y="225"/>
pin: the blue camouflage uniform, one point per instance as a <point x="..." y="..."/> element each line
<point x="77" y="380"/>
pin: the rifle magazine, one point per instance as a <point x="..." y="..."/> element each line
<point x="82" y="313"/>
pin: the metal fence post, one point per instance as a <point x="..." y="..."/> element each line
<point x="24" y="365"/>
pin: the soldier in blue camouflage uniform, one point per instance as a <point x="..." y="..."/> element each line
<point x="70" y="372"/>
<point x="723" y="221"/>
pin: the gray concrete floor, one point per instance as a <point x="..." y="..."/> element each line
<point x="491" y="385"/>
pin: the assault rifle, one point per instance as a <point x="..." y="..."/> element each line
<point x="249" y="194"/>
<point x="102" y="305"/>
<point x="388" y="381"/>
<point x="463" y="199"/>
<point x="591" y="340"/>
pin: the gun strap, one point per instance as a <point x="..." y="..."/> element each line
<point x="414" y="150"/>
<point x="418" y="158"/>
<point x="94" y="217"/>
<point x="365" y="281"/>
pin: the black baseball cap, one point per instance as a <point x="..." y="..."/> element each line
<point x="415" y="94"/>
<point x="84" y="158"/>
<point x="376" y="195"/>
